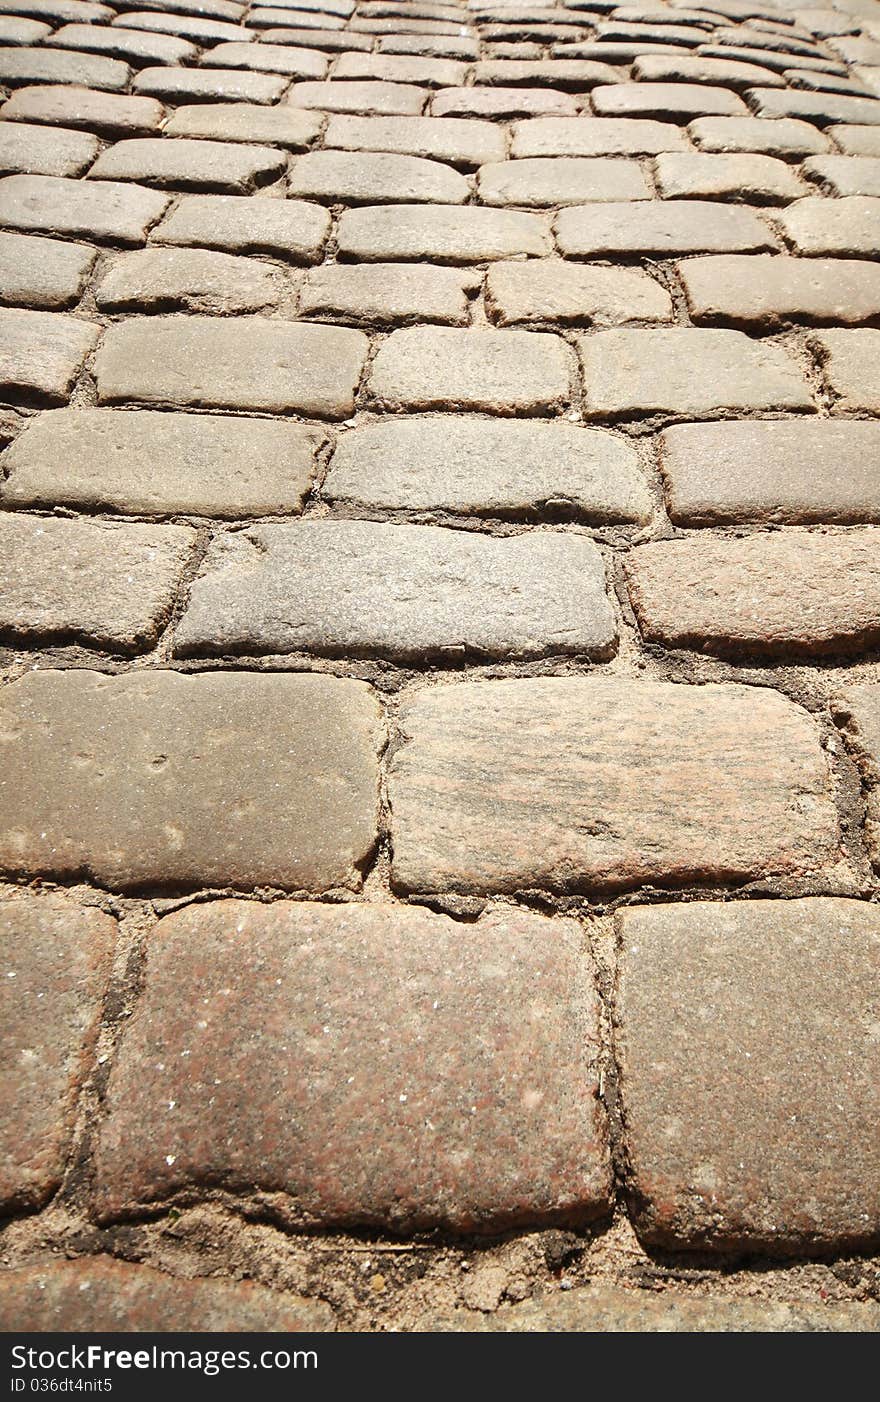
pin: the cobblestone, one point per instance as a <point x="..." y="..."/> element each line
<point x="187" y="279"/>
<point x="42" y="273"/>
<point x="56" y="966"/>
<point x="857" y="707"/>
<point x="594" y="785"/>
<point x="468" y="235"/>
<point x="105" y="211"/>
<point x="786" y="137"/>
<point x="106" y="114"/>
<point x="158" y="778"/>
<point x="290" y="229"/>
<point x="34" y="150"/>
<point x="757" y="179"/>
<point x="547" y="290"/>
<point x="687" y="373"/>
<point x="502" y="372"/>
<point x="159" y="464"/>
<point x="254" y="363"/>
<point x="190" y="165"/>
<point x="846" y="228"/>
<point x="398" y="591"/>
<point x="377" y="1141"/>
<point x="791" y="472"/>
<point x="388" y="292"/>
<point x="782" y="991"/>
<point x="107" y="585"/>
<point x="850" y="367"/>
<point x="770" y="291"/>
<point x="98" y="1293"/>
<point x="479" y="467"/>
<point x="370" y="178"/>
<point x="460" y="142"/>
<point x="41" y="354"/>
<point x="797" y="593"/>
<point x="245" y="121"/>
<point x="628" y="228"/>
<point x="537" y="182"/>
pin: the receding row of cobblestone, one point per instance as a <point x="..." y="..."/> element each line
<point x="440" y="708"/>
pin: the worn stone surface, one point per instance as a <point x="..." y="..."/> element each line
<point x="98" y="1295"/>
<point x="687" y="373"/>
<point x="374" y="177"/>
<point x="293" y="62"/>
<point x="388" y="292"/>
<point x="856" y="140"/>
<point x="786" y="137"/>
<point x="458" y="141"/>
<point x="697" y="226"/>
<point x="503" y="372"/>
<point x="392" y="1117"/>
<point x="593" y="136"/>
<point x="159" y="464"/>
<point x="155" y="779"/>
<point x="594" y="784"/>
<point x="190" y="165"/>
<point x="41" y="354"/>
<point x="107" y="585"/>
<point x="823" y="109"/>
<point x="849" y="227"/>
<point x="552" y="181"/>
<point x="857" y="709"/>
<point x="106" y="114"/>
<point x="364" y="98"/>
<point x="56" y="959"/>
<point x="669" y="102"/>
<point x="288" y="228"/>
<point x="748" y="1054"/>
<point x="608" y="1309"/>
<point x="796" y="592"/>
<point x="480" y="467"/>
<point x="26" y="148"/>
<point x="133" y="47"/>
<point x="554" y="291"/>
<point x="245" y="121"/>
<point x="785" y="472"/>
<point x="398" y="591"/>
<point x="850" y="363"/>
<point x="248" y="363"/>
<point x="758" y="179"/>
<point x="19" y="67"/>
<point x="185" y="85"/>
<point x="503" y="104"/>
<point x="769" y="290"/>
<point x="105" y="211"/>
<point x="42" y="273"/>
<point x="188" y="279"/>
<point x="466" y="235"/>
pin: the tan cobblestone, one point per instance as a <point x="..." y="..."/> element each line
<point x="42" y="273"/>
<point x="188" y="279"/>
<point x="290" y="229"/>
<point x="460" y="142"/>
<point x="106" y="211"/>
<point x="567" y="180"/>
<point x="467" y="235"/>
<point x="106" y="114"/>
<point x="388" y="293"/>
<point x="851" y="367"/>
<point x="242" y="121"/>
<point x="550" y="290"/>
<point x="501" y="372"/>
<point x="41" y="353"/>
<point x="694" y="226"/>
<point x="769" y="291"/>
<point x="372" y="178"/>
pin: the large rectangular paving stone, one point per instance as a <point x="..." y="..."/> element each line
<point x="373" y="177"/>
<point x="857" y="710"/>
<point x="449" y="234"/>
<point x="785" y="472"/>
<point x="482" y="468"/>
<point x="389" y="292"/>
<point x="381" y="1066"/>
<point x="594" y="784"/>
<point x="458" y="141"/>
<point x="503" y="372"/>
<point x="42" y="273"/>
<point x="187" y="85"/>
<point x="105" y="584"/>
<point x="41" y="354"/>
<point x="188" y="279"/>
<point x="842" y="228"/>
<point x="795" y="592"/>
<point x="97" y="1294"/>
<point x="770" y="291"/>
<point x="399" y="591"/>
<point x="538" y="182"/>
<point x="156" y="779"/>
<point x="289" y="229"/>
<point x="31" y="149"/>
<point x="106" y="114"/>
<point x="750" y="1074"/>
<point x="594" y="136"/>
<point x="190" y="165"/>
<point x="233" y="363"/>
<point x="608" y="1309"/>
<point x="56" y="959"/>
<point x="150" y="463"/>
<point x="248" y="122"/>
<point x="19" y="67"/>
<point x="552" y="290"/>
<point x="108" y="211"/>
<point x="692" y="373"/>
<point x="850" y="362"/>
<point x="629" y="227"/>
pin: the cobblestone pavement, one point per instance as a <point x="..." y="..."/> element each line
<point x="440" y="622"/>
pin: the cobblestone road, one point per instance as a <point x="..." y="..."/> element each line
<point x="440" y="623"/>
